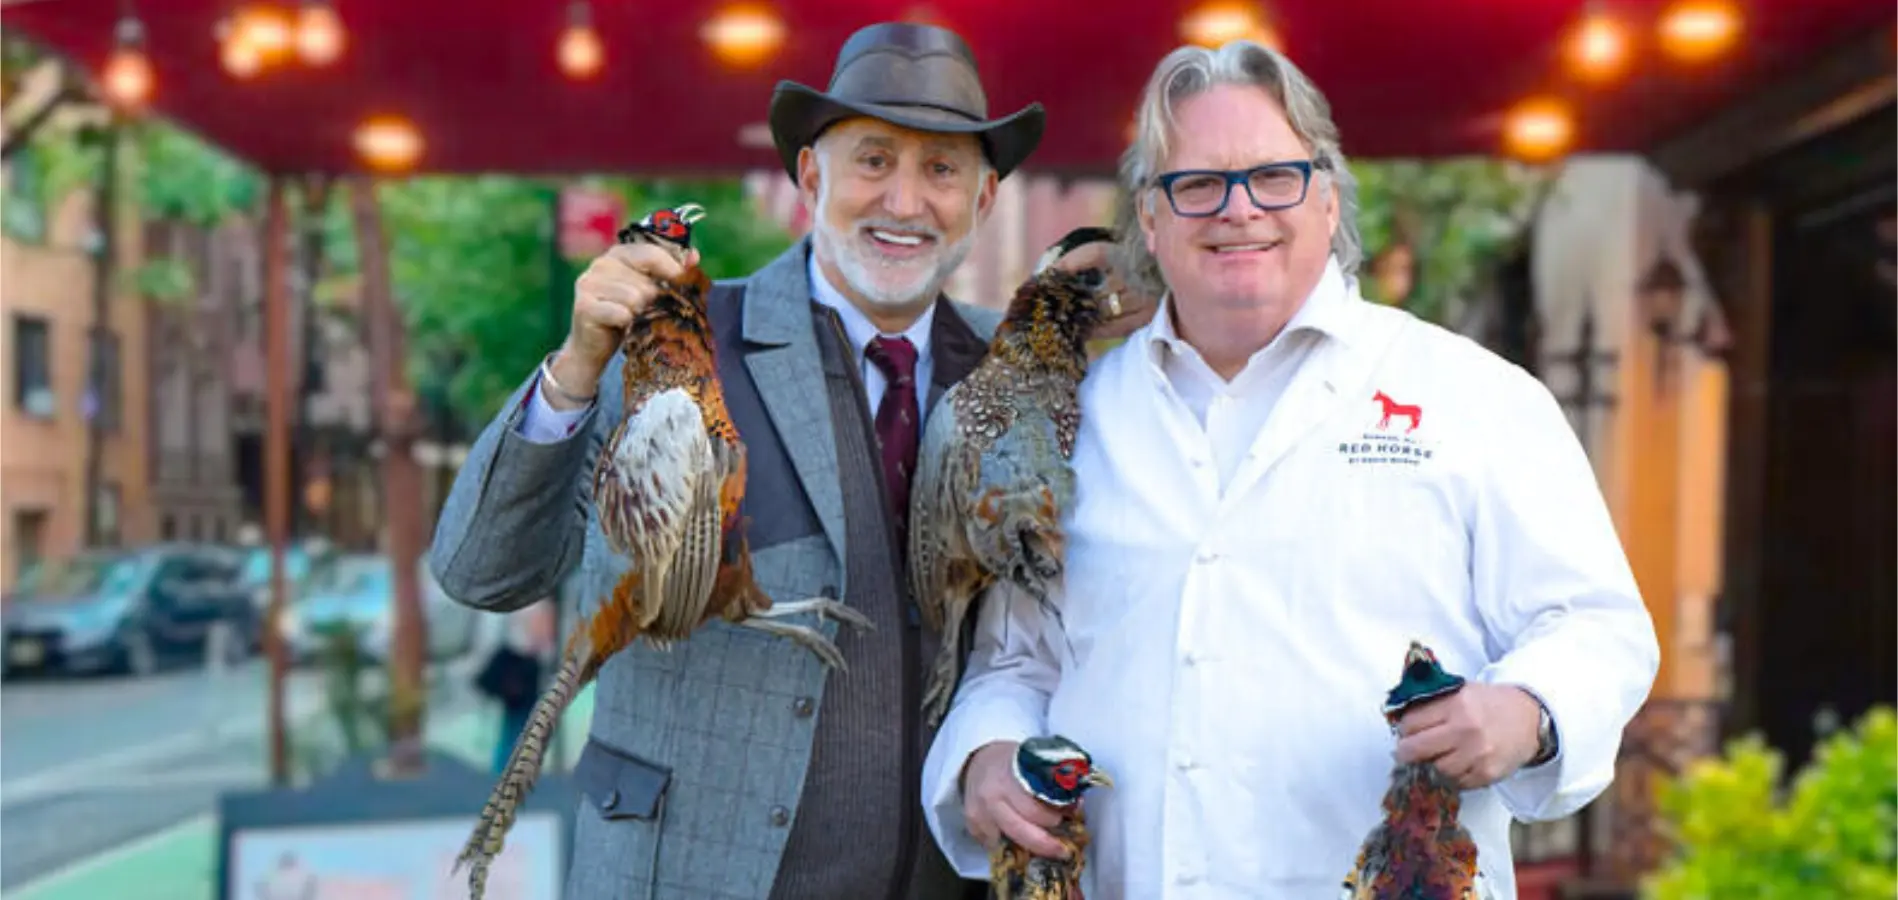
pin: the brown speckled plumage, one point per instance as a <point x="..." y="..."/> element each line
<point x="992" y="477"/>
<point x="1418" y="850"/>
<point x="666" y="489"/>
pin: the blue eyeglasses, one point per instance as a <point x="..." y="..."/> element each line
<point x="1199" y="193"/>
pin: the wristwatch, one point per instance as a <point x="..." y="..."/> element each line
<point x="1547" y="744"/>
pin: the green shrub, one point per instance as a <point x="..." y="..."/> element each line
<point x="1830" y="835"/>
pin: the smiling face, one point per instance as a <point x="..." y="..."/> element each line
<point x="1242" y="257"/>
<point x="894" y="210"/>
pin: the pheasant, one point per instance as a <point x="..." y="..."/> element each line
<point x="1057" y="772"/>
<point x="667" y="490"/>
<point x="992" y="476"/>
<point x="1419" y="851"/>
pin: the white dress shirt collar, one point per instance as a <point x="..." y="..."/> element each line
<point x="1326" y="311"/>
<point x="858" y="326"/>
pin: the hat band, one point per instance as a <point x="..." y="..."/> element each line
<point x="910" y="103"/>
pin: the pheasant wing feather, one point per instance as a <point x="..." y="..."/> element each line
<point x="689" y="594"/>
<point x="647" y="485"/>
<point x="943" y="492"/>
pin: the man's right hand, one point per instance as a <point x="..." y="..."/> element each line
<point x="995" y="804"/>
<point x="614" y="288"/>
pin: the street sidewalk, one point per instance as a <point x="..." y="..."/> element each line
<point x="180" y="862"/>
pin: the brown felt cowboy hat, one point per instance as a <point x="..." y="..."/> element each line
<point x="912" y="75"/>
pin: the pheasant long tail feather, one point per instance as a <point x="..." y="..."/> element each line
<point x="578" y="666"/>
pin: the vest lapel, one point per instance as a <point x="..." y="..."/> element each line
<point x="956" y="350"/>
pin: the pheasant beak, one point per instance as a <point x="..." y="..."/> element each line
<point x="1098" y="778"/>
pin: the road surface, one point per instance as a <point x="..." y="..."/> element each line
<point x="88" y="764"/>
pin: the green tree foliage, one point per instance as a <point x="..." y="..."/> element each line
<point x="482" y="295"/>
<point x="1831" y="835"/>
<point x="1458" y="216"/>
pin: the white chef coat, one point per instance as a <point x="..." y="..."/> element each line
<point x="1225" y="641"/>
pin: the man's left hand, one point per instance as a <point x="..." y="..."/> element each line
<point x="1476" y="736"/>
<point x="1129" y="311"/>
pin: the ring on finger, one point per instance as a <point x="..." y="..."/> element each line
<point x="1113" y="305"/>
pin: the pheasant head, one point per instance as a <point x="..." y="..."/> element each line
<point x="669" y="228"/>
<point x="1424" y="679"/>
<point x="1056" y="770"/>
<point x="1048" y="322"/>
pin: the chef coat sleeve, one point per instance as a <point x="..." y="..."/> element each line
<point x="1557" y="595"/>
<point x="1011" y="672"/>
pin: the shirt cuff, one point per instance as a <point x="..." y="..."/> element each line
<point x="969" y="727"/>
<point x="1544" y="791"/>
<point x="541" y="423"/>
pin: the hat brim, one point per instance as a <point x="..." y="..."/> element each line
<point x="800" y="113"/>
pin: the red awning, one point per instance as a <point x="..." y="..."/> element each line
<point x="478" y="77"/>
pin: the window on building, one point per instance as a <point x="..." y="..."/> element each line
<point x="109" y="514"/>
<point x="29" y="539"/>
<point x="24" y="214"/>
<point x="33" y="366"/>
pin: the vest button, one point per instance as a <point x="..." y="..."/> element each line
<point x="780" y="817"/>
<point x="802" y="707"/>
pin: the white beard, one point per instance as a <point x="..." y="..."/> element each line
<point x="879" y="279"/>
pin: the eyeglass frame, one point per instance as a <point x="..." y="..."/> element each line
<point x="1243" y="178"/>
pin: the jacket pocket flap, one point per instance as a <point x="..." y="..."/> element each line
<point x="619" y="784"/>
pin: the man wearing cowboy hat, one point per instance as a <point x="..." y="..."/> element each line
<point x="734" y="765"/>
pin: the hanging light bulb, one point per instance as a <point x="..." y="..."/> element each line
<point x="1598" y="50"/>
<point x="253" y="37"/>
<point x="1538" y="130"/>
<point x="319" y="33"/>
<point x="1699" y="30"/>
<point x="239" y="55"/>
<point x="744" y="35"/>
<point x="1219" y="23"/>
<point x="580" y="54"/>
<point x="128" y="78"/>
<point x="388" y="143"/>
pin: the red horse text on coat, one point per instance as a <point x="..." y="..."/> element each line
<point x="1394" y="408"/>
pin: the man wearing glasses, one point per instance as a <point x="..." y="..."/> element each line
<point x="1282" y="486"/>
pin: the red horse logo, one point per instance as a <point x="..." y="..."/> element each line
<point x="1394" y="408"/>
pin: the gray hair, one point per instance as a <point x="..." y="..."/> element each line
<point x="1191" y="70"/>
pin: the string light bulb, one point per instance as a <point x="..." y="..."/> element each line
<point x="743" y="35"/>
<point x="319" y="33"/>
<point x="1696" y="31"/>
<point x="1598" y="50"/>
<point x="1219" y="23"/>
<point x="581" y="54"/>
<point x="388" y="143"/>
<point x="127" y="78"/>
<point x="1538" y="130"/>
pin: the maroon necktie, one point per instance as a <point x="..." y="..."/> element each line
<point x="898" y="422"/>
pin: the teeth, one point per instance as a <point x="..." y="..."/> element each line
<point x="1241" y="248"/>
<point x="890" y="237"/>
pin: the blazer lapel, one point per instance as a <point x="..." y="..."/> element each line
<point x="785" y="364"/>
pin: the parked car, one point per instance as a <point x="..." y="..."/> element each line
<point x="358" y="590"/>
<point x="254" y="572"/>
<point x="127" y="610"/>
